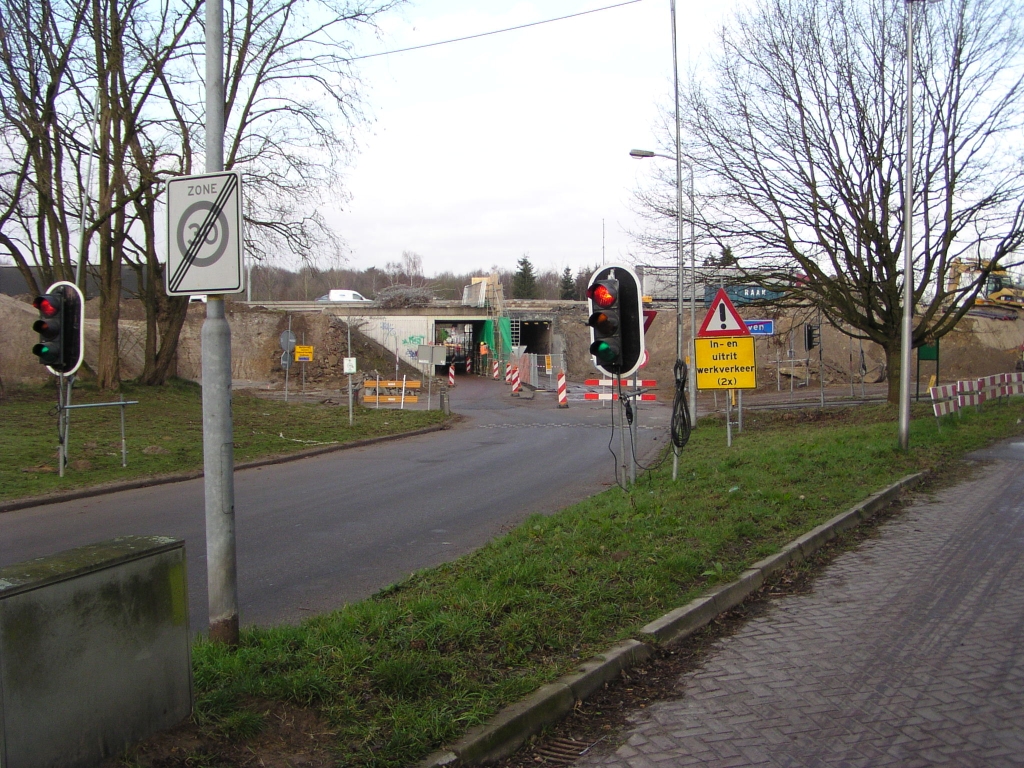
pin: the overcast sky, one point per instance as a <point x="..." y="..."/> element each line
<point x="517" y="143"/>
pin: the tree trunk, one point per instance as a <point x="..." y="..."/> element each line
<point x="892" y="373"/>
<point x="108" y="367"/>
<point x="165" y="317"/>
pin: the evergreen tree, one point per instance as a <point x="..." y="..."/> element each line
<point x="524" y="282"/>
<point x="567" y="287"/>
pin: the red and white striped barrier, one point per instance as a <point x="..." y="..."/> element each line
<point x="496" y="369"/>
<point x="944" y="400"/>
<point x="969" y="393"/>
<point x="615" y="396"/>
<point x="563" y="397"/>
<point x="953" y="398"/>
<point x="515" y="382"/>
<point x="469" y="365"/>
<point x="1013" y="383"/>
<point x="992" y="386"/>
<point x="451" y="375"/>
<point x="623" y="382"/>
<point x="615" y="383"/>
<point x="508" y="373"/>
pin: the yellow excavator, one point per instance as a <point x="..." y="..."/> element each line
<point x="1000" y="288"/>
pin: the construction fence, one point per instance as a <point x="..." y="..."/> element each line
<point x="539" y="371"/>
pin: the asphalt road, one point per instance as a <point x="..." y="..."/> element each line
<point x="320" y="532"/>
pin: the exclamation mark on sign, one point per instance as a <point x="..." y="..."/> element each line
<point x="721" y="315"/>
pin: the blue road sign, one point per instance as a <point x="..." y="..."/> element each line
<point x="761" y="327"/>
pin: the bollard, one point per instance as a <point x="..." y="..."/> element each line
<point x="508" y="373"/>
<point x="515" y="382"/>
<point x="563" y="397"/>
<point x="451" y="375"/>
<point x="496" y="369"/>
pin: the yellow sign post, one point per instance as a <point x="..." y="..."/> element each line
<point x="725" y="362"/>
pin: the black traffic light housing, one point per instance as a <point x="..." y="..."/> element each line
<point x="61" y="311"/>
<point x="616" y="320"/>
<point x="812" y="336"/>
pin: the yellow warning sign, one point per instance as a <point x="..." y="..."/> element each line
<point x="303" y="354"/>
<point x="725" y="362"/>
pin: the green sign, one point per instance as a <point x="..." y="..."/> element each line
<point x="928" y="351"/>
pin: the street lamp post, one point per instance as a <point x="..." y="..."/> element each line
<point x="906" y="339"/>
<point x="644" y="153"/>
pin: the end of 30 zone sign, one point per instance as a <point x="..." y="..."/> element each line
<point x="204" y="234"/>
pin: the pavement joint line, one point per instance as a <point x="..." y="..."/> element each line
<point x="178" y="477"/>
<point x="511" y="727"/>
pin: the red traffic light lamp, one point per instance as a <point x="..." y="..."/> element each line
<point x="604" y="293"/>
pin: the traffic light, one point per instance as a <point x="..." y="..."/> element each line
<point x="616" y="320"/>
<point x="59" y="327"/>
<point x="49" y="327"/>
<point x="811" y="336"/>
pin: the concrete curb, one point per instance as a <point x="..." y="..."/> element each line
<point x="512" y="726"/>
<point x="145" y="482"/>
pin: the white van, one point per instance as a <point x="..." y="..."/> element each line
<point x="343" y="296"/>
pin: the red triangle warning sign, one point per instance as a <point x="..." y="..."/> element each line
<point x="722" y="319"/>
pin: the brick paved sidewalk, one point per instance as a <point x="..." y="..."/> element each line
<point x="908" y="651"/>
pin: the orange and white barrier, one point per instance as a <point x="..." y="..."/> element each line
<point x="563" y="397"/>
<point x="451" y="375"/>
<point x="496" y="369"/>
<point x="508" y="373"/>
<point x="515" y="382"/>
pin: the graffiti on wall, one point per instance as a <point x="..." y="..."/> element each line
<point x="402" y="336"/>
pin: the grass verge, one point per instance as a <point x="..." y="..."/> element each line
<point x="389" y="679"/>
<point x="164" y="433"/>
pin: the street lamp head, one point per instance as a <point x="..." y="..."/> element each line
<point x="640" y="153"/>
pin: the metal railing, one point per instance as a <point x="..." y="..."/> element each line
<point x="124" y="443"/>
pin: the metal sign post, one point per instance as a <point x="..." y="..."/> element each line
<point x="200" y="238"/>
<point x="724" y="356"/>
<point x="287" y="346"/>
<point x="349" y="368"/>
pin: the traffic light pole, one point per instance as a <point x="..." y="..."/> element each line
<point x="63" y="401"/>
<point x="622" y="436"/>
<point x="218" y="430"/>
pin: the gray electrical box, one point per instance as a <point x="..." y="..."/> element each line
<point x="94" y="651"/>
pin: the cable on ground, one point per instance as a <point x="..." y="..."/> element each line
<point x="681" y="424"/>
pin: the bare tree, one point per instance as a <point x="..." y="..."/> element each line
<point x="37" y="41"/>
<point x="797" y="132"/>
<point x="137" y="65"/>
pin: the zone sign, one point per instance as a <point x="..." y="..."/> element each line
<point x="204" y="234"/>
